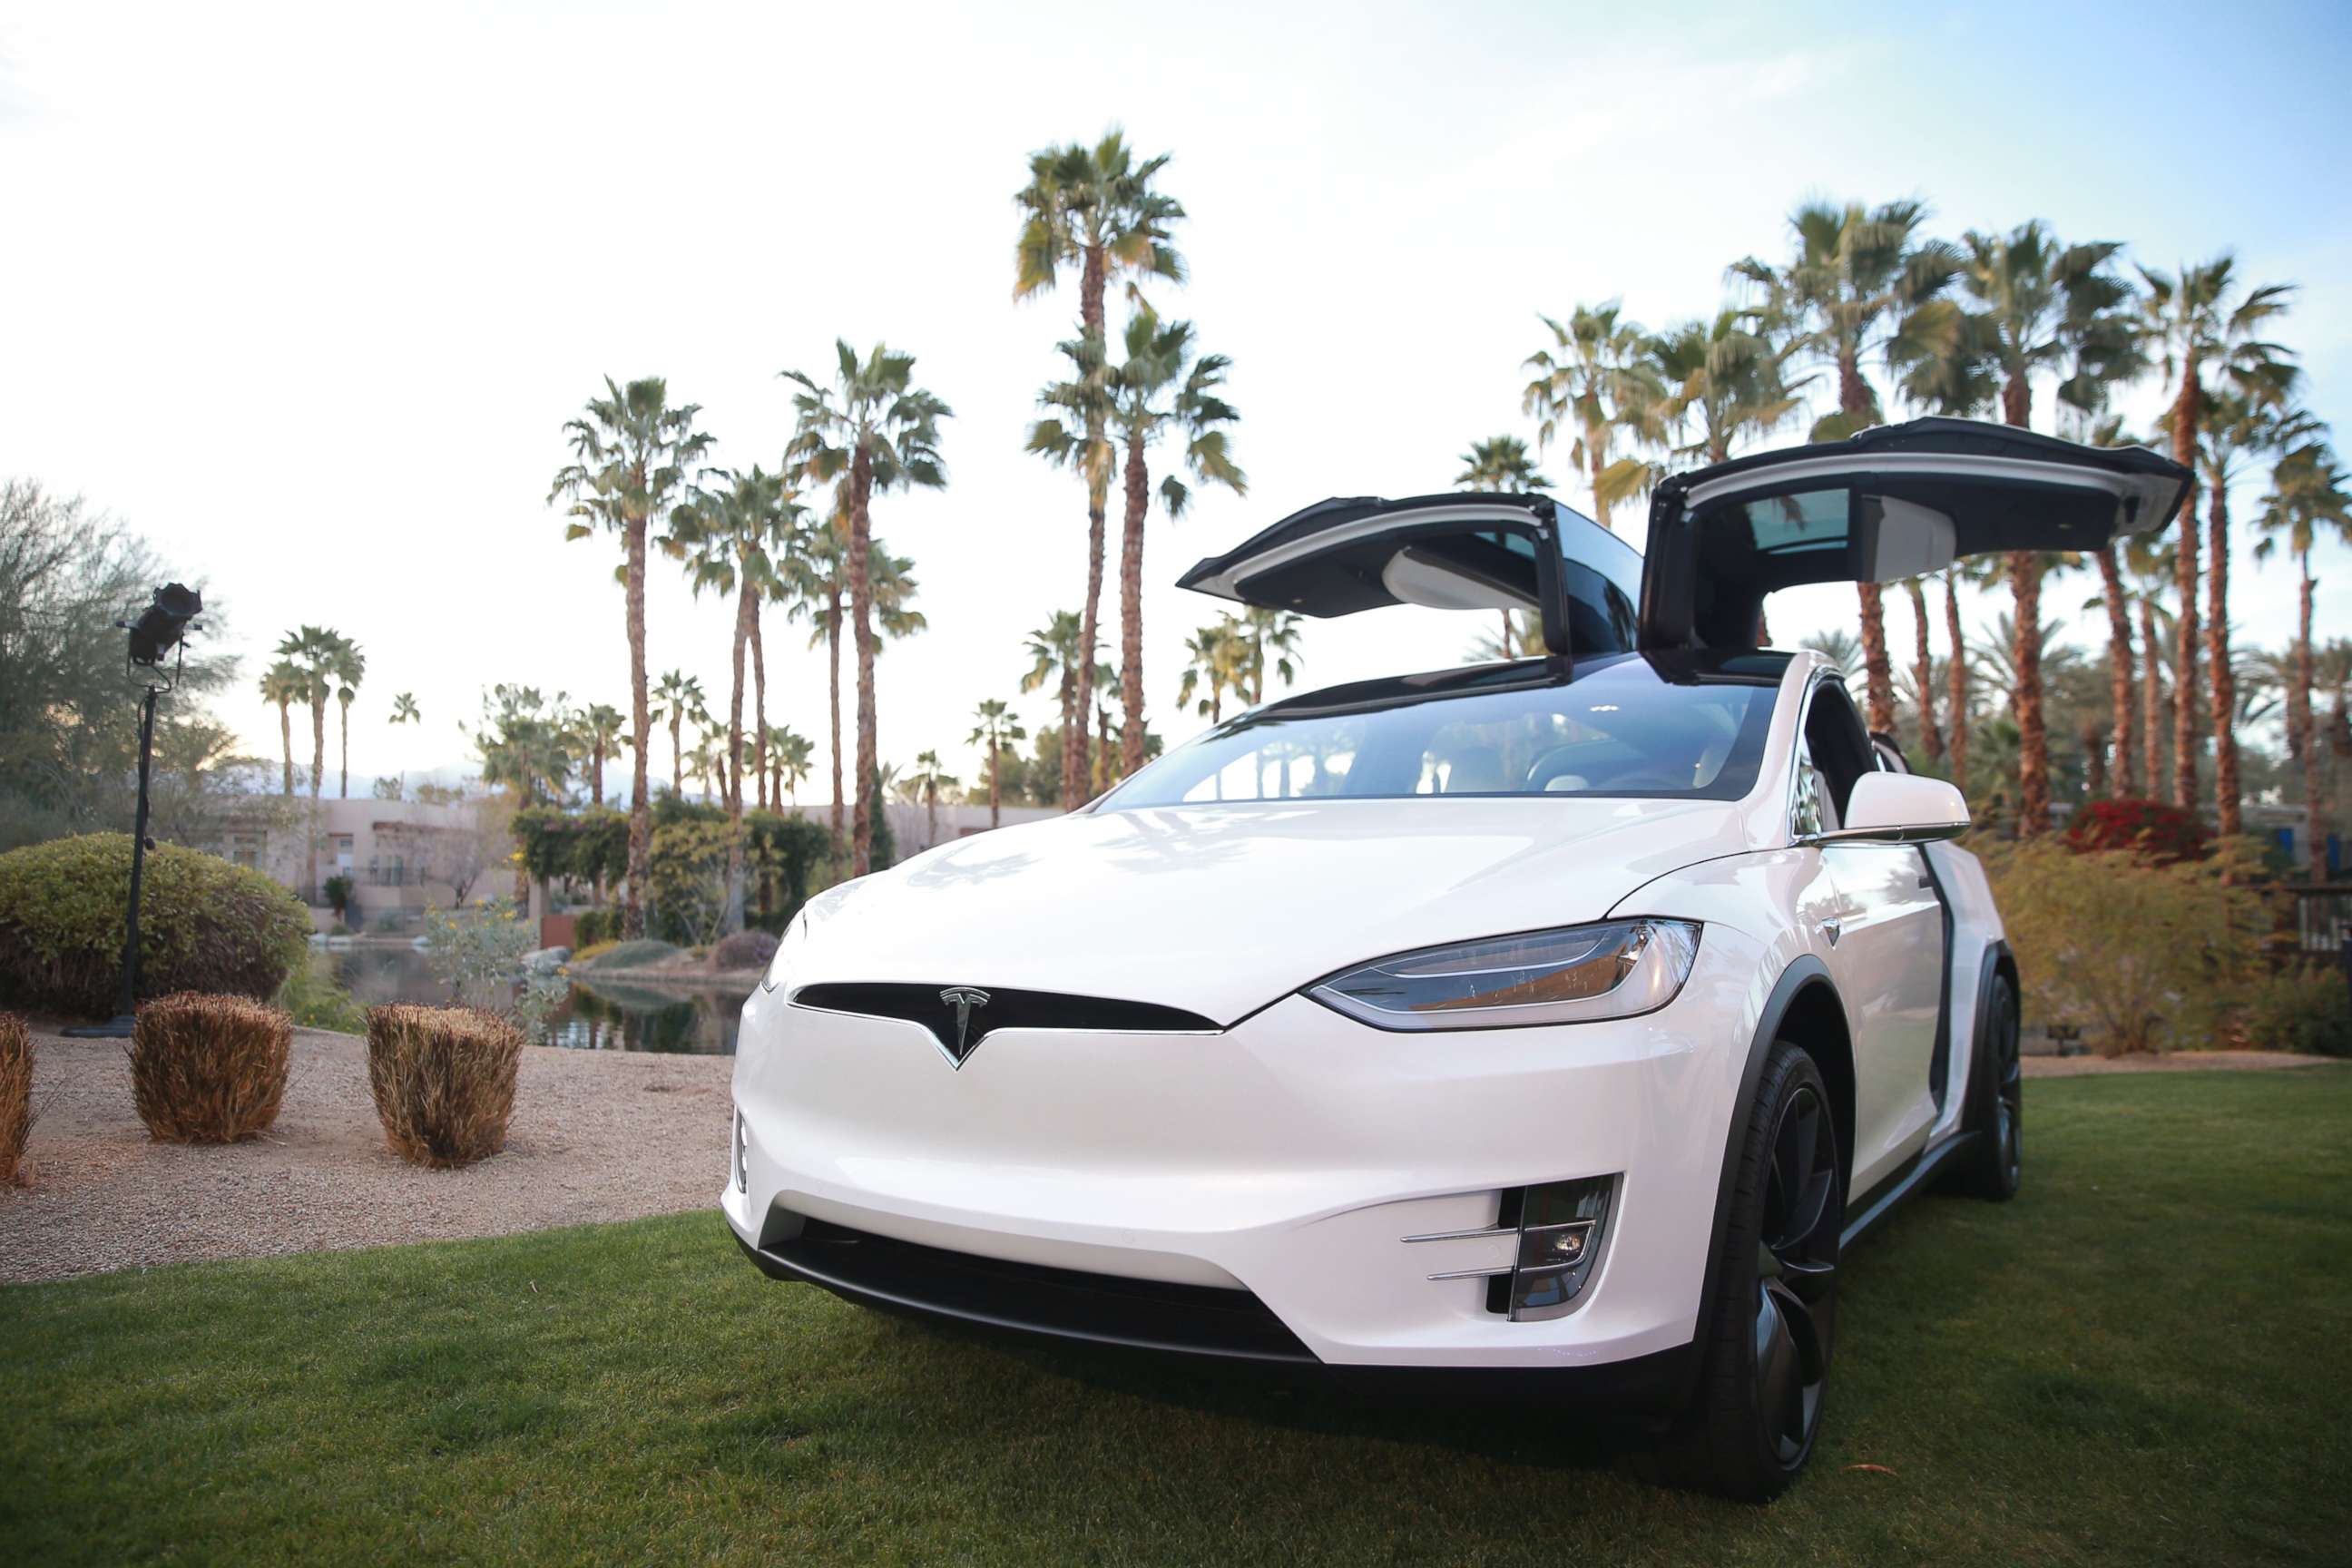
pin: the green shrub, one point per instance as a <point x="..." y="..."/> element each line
<point x="204" y="925"/>
<point x="16" y="1094"/>
<point x="314" y="999"/>
<point x="592" y="928"/>
<point x="208" y="1070"/>
<point x="2140" y="956"/>
<point x="443" y="1081"/>
<point x="632" y="954"/>
<point x="2296" y="1010"/>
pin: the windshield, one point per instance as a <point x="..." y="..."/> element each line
<point x="1631" y="727"/>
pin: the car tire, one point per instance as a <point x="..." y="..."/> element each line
<point x="1771" y="1314"/>
<point x="1997" y="1165"/>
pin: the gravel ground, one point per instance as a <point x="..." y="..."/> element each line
<point x="596" y="1135"/>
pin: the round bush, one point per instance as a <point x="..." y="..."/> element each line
<point x="208" y="1070"/>
<point x="744" y="950"/>
<point x="204" y="925"/>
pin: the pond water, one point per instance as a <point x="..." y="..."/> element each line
<point x="608" y="1014"/>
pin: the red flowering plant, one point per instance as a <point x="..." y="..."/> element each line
<point x="2158" y="834"/>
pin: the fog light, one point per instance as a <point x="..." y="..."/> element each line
<point x="1561" y="1226"/>
<point x="743" y="1160"/>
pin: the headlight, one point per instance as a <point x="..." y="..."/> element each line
<point x="1610" y="971"/>
<point x="780" y="967"/>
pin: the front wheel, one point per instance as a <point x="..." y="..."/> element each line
<point x="1773" y="1306"/>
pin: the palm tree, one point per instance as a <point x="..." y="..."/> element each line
<point x="285" y="684"/>
<point x="313" y="652"/>
<point x="1956" y="679"/>
<point x="739" y="538"/>
<point x="1093" y="208"/>
<point x="631" y="454"/>
<point x="995" y="734"/>
<point x="877" y="431"/>
<point x="791" y="754"/>
<point x="1501" y="465"/>
<point x="601" y="732"/>
<point x="2202" y="330"/>
<point x="404" y="710"/>
<point x="1857" y="280"/>
<point x="1053" y="650"/>
<point x="2030" y="306"/>
<point x="1264" y="630"/>
<point x="1217" y="662"/>
<point x="2310" y="498"/>
<point x="1596" y="378"/>
<point x="1840" y="648"/>
<point x="678" y="698"/>
<point x="925" y="783"/>
<point x="1923" y="671"/>
<point x="1730" y="376"/>
<point x="2240" y="420"/>
<point x="350" y="665"/>
<point x="1161" y="386"/>
<point x="2152" y="566"/>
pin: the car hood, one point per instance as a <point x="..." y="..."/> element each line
<point x="1220" y="910"/>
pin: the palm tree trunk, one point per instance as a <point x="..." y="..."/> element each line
<point x="1094" y="275"/>
<point x="1878" y="674"/>
<point x="343" y="738"/>
<point x="597" y="770"/>
<point x="861" y="610"/>
<point x="760" y="713"/>
<point x="2307" y="728"/>
<point x="746" y="609"/>
<point x="1923" y="674"/>
<point x="641" y="809"/>
<point x="677" y="754"/>
<point x="1956" y="680"/>
<point x="2184" y="662"/>
<point x="286" y="743"/>
<point x="318" y="776"/>
<point x="2217" y="658"/>
<point x="833" y="657"/>
<point x="1074" y="741"/>
<point x="1596" y="447"/>
<point x="2153" y="718"/>
<point x="995" y="755"/>
<point x="1130" y="607"/>
<point x="2025" y="657"/>
<point x="2025" y="649"/>
<point x="2120" y="671"/>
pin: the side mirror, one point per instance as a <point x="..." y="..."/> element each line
<point x="1898" y="808"/>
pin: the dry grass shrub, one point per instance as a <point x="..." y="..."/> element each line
<point x="208" y="1070"/>
<point x="443" y="1081"/>
<point x="16" y="1094"/>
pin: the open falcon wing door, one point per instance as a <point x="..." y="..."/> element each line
<point x="1888" y="503"/>
<point x="1459" y="552"/>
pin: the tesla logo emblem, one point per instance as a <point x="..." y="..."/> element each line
<point x="963" y="999"/>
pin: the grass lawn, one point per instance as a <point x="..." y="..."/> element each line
<point x="2145" y="1358"/>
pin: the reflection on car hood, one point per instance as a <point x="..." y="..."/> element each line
<point x="1223" y="909"/>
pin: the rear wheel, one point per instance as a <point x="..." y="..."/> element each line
<point x="1995" y="1168"/>
<point x="1773" y="1308"/>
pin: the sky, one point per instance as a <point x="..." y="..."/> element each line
<point x="304" y="295"/>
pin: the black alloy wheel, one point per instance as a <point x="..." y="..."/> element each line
<point x="1998" y="1165"/>
<point x="1773" y="1305"/>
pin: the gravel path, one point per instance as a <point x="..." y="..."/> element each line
<point x="596" y="1135"/>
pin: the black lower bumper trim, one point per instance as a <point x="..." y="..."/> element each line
<point x="1229" y="1325"/>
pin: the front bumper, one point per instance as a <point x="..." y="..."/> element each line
<point x="1287" y="1157"/>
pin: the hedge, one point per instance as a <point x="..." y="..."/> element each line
<point x="204" y="925"/>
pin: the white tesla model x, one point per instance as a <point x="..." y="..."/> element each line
<point x="1549" y="1025"/>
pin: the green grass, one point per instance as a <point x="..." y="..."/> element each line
<point x="2145" y="1359"/>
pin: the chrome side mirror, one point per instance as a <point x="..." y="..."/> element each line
<point x="1898" y="808"/>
